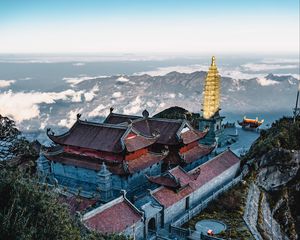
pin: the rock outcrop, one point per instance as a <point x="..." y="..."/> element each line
<point x="274" y="160"/>
<point x="277" y="168"/>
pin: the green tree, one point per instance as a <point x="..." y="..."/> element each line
<point x="28" y="209"/>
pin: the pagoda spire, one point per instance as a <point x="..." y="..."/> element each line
<point x="211" y="93"/>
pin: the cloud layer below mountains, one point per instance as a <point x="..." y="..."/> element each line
<point x="6" y="83"/>
<point x="132" y="94"/>
<point x="26" y="105"/>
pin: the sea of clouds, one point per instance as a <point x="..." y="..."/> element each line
<point x="26" y="105"/>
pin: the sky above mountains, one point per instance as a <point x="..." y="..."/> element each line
<point x="53" y="26"/>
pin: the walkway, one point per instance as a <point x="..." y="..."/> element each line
<point x="251" y="211"/>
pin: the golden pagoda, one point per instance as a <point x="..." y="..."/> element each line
<point x="211" y="93"/>
<point x="211" y="118"/>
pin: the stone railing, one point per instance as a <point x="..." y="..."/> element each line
<point x="180" y="232"/>
<point x="206" y="237"/>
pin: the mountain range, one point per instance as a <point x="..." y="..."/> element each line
<point x="132" y="94"/>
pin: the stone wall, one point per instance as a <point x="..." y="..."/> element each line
<point x="196" y="163"/>
<point x="137" y="180"/>
<point x="72" y="177"/>
<point x="135" y="231"/>
<point x="179" y="208"/>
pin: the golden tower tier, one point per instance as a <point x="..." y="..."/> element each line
<point x="211" y="93"/>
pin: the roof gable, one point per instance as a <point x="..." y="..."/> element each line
<point x="135" y="141"/>
<point x="199" y="177"/>
<point x="166" y="128"/>
<point x="97" y="136"/>
<point x="113" y="217"/>
<point x="114" y="118"/>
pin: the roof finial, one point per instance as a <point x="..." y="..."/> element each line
<point x="104" y="166"/>
<point x="78" y="116"/>
<point x="213" y="61"/>
<point x="103" y="170"/>
<point x="145" y="113"/>
<point x="111" y="109"/>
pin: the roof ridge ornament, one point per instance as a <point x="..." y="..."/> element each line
<point x="103" y="169"/>
<point x="50" y="132"/>
<point x="78" y="116"/>
<point x="145" y="114"/>
<point x="111" y="109"/>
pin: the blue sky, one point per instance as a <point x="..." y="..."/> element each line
<point x="149" y="26"/>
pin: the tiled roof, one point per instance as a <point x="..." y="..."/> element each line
<point x="164" y="181"/>
<point x="165" y="127"/>
<point x="192" y="136"/>
<point x="175" y="178"/>
<point x="183" y="177"/>
<point x="196" y="153"/>
<point x="144" y="161"/>
<point x="137" y="142"/>
<point x="97" y="136"/>
<point x="113" y="217"/>
<point x="208" y="171"/>
<point x="76" y="160"/>
<point x="115" y="118"/>
<point x="119" y="168"/>
<point x="103" y="137"/>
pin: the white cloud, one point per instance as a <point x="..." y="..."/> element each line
<point x="161" y="105"/>
<point x="6" y="83"/>
<point x="237" y="74"/>
<point x="83" y="59"/>
<point x="76" y="80"/>
<point x="89" y="96"/>
<point x="122" y="79"/>
<point x="101" y="110"/>
<point x="116" y="94"/>
<point x="182" y="69"/>
<point x="280" y="60"/>
<point x="25" y="105"/>
<point x="25" y="79"/>
<point x="44" y="122"/>
<point x="134" y="107"/>
<point x="170" y="95"/>
<point x="151" y="104"/>
<point x="255" y="67"/>
<point x="266" y="82"/>
<point x="72" y="116"/>
<point x="78" y="64"/>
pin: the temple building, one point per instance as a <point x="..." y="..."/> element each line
<point x="178" y="192"/>
<point x="177" y="137"/>
<point x="100" y="159"/>
<point x="211" y="118"/>
<point x="248" y="123"/>
<point x="135" y="175"/>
